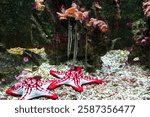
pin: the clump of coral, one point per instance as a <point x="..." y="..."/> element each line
<point x="100" y="24"/>
<point x="74" y="12"/>
<point x="141" y="37"/>
<point x="140" y="33"/>
<point x="86" y="25"/>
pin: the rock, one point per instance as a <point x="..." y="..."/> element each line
<point x="114" y="60"/>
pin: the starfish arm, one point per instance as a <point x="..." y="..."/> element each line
<point x="57" y="74"/>
<point x="89" y="80"/>
<point x="69" y="82"/>
<point x="42" y="91"/>
<point x="27" y="94"/>
<point x="38" y="91"/>
<point x="48" y="94"/>
<point x="16" y="89"/>
<point x="46" y="84"/>
<point x="15" y="93"/>
<point x="76" y="86"/>
<point x="57" y="83"/>
<point x="74" y="83"/>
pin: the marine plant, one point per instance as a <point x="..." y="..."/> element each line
<point x="73" y="14"/>
<point x="141" y="37"/>
<point x="76" y="15"/>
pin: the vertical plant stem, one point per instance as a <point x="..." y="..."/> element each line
<point x="86" y="44"/>
<point x="57" y="56"/>
<point x="69" y="38"/>
<point x="75" y="45"/>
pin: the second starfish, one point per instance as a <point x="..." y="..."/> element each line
<point x="72" y="77"/>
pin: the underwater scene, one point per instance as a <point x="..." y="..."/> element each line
<point x="75" y="50"/>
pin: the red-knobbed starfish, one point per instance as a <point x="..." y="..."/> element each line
<point x="31" y="88"/>
<point x="72" y="77"/>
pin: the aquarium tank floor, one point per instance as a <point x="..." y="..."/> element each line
<point x="122" y="81"/>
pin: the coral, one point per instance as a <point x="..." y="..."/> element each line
<point x="114" y="61"/>
<point x="139" y="30"/>
<point x="100" y="24"/>
<point x="73" y="12"/>
<point x="141" y="42"/>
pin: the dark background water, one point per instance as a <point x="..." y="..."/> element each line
<point x="15" y="24"/>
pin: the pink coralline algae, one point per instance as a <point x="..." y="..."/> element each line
<point x="72" y="77"/>
<point x="31" y="88"/>
<point x="100" y="24"/>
